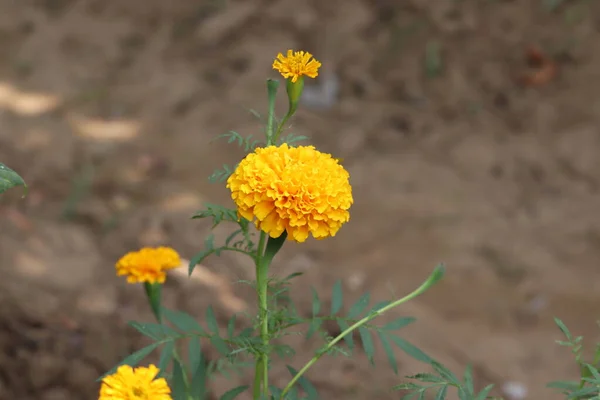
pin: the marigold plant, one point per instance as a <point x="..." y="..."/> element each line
<point x="287" y="191"/>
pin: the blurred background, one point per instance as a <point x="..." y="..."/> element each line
<point x="471" y="130"/>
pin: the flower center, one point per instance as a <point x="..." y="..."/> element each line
<point x="139" y="393"/>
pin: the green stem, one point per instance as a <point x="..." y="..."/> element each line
<point x="280" y="127"/>
<point x="153" y="293"/>
<point x="272" y="86"/>
<point x="262" y="361"/>
<point x="435" y="276"/>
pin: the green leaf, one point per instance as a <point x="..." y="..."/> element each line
<point x="132" y="359"/>
<point x="220" y="345"/>
<point x="308" y="387"/>
<point x="183" y="321"/>
<point x="154" y="331"/>
<point x="179" y="387"/>
<point x="389" y="351"/>
<point x="468" y="379"/>
<point x="166" y="355"/>
<point x="358" y="307"/>
<point x="199" y="377"/>
<point x="406" y="386"/>
<point x="398" y="323"/>
<point x="194" y="353"/>
<point x="367" y="341"/>
<point x="284" y="350"/>
<point x="445" y="373"/>
<point x="315" y="324"/>
<point x="337" y="297"/>
<point x="563" y="328"/>
<point x="231" y="326"/>
<point x="211" y="320"/>
<point x="564" y="385"/>
<point x="348" y="337"/>
<point x="316" y="303"/>
<point x="583" y="392"/>
<point x="275" y="392"/>
<point x="427" y="378"/>
<point x="484" y="393"/>
<point x="233" y="393"/>
<point x="10" y="179"/>
<point x="410" y="349"/>
<point x="441" y="394"/>
<point x="198" y="258"/>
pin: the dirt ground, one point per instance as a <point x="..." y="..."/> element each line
<point x="459" y="152"/>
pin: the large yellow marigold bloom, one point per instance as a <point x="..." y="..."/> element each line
<point x="148" y="264"/>
<point x="295" y="189"/>
<point x="134" y="384"/>
<point x="296" y="64"/>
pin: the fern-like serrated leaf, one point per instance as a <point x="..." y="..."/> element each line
<point x="314" y="326"/>
<point x="367" y="342"/>
<point x="166" y="356"/>
<point x="199" y="377"/>
<point x="183" y="321"/>
<point x="441" y="394"/>
<point x="155" y="331"/>
<point x="233" y="393"/>
<point x="445" y="373"/>
<point x="398" y="323"/>
<point x="179" y="391"/>
<point x="337" y="297"/>
<point x="410" y="349"/>
<point x="220" y="345"/>
<point x="359" y="306"/>
<point x="389" y="351"/>
<point x="485" y="392"/>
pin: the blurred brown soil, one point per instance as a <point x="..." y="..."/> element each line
<point x="470" y="129"/>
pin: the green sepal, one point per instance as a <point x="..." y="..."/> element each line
<point x="273" y="247"/>
<point x="153" y="292"/>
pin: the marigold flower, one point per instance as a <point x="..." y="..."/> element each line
<point x="294" y="189"/>
<point x="148" y="264"/>
<point x="295" y="64"/>
<point x="135" y="383"/>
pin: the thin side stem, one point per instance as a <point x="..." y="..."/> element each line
<point x="432" y="279"/>
<point x="280" y="127"/>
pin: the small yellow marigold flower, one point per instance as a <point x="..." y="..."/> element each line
<point x="296" y="64"/>
<point x="148" y="264"/>
<point x="135" y="383"/>
<point x="294" y="189"/>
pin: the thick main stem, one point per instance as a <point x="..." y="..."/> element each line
<point x="261" y="376"/>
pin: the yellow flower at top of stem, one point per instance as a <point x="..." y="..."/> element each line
<point x="296" y="64"/>
<point x="148" y="264"/>
<point x="129" y="383"/>
<point x="298" y="190"/>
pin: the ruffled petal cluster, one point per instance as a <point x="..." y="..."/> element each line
<point x="148" y="264"/>
<point x="296" y="64"/>
<point x="135" y="384"/>
<point x="298" y="190"/>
